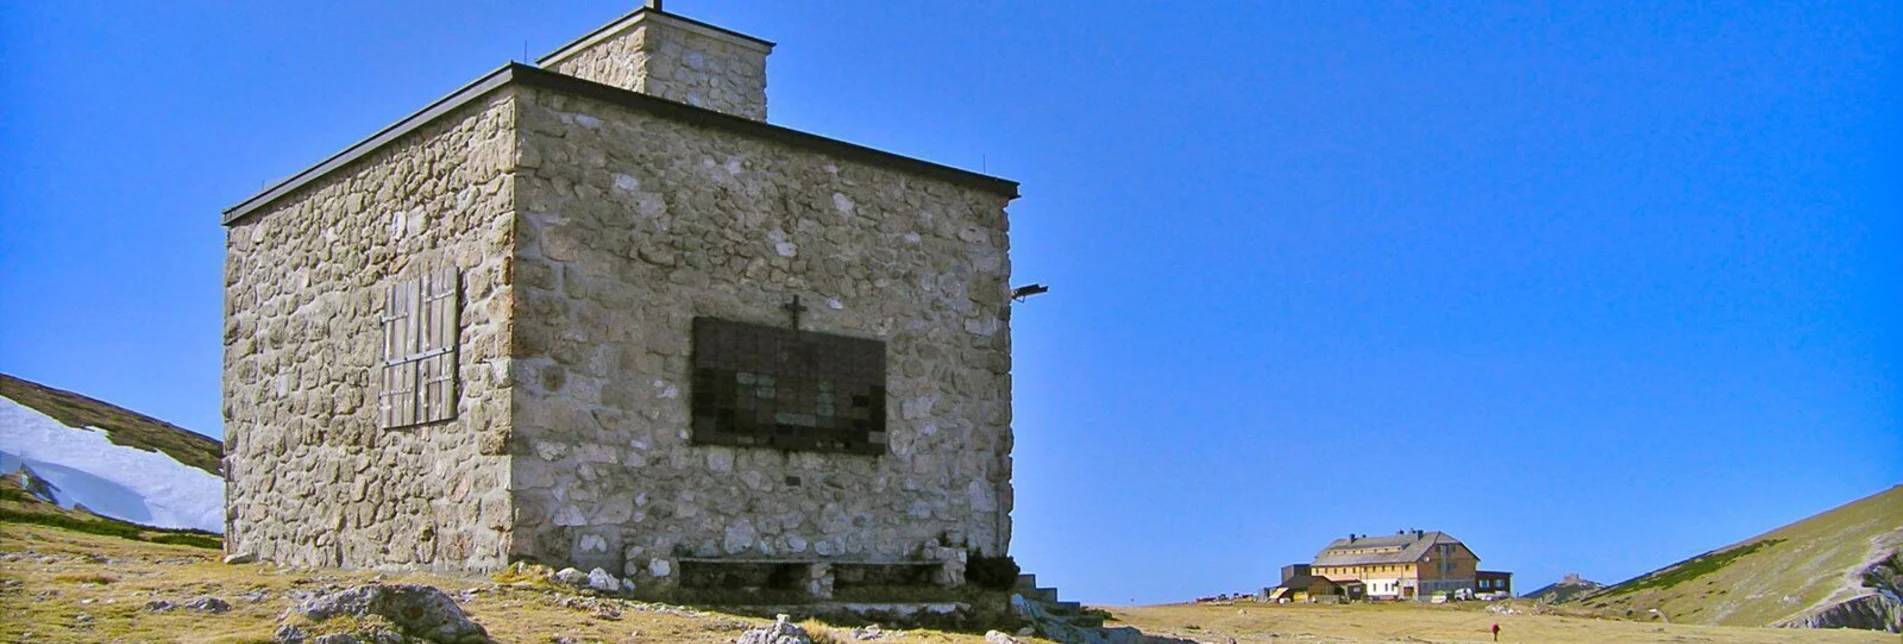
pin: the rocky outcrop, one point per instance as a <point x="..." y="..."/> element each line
<point x="1886" y="576"/>
<point x="1882" y="610"/>
<point x="36" y="486"/>
<point x="420" y="612"/>
<point x="1869" y="612"/>
<point x="783" y="631"/>
<point x="1568" y="588"/>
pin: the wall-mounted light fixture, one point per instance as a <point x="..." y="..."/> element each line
<point x="1028" y="290"/>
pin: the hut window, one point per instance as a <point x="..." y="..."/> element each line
<point x="417" y="375"/>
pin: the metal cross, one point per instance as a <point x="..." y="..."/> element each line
<point x="794" y="308"/>
<point x="654" y="4"/>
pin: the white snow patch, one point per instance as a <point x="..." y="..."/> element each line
<point x="113" y="480"/>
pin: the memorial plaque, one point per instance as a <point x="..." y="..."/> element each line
<point x="763" y="386"/>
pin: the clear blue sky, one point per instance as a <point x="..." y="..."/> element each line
<point x="1592" y="288"/>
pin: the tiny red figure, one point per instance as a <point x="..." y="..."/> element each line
<point x="1496" y="631"/>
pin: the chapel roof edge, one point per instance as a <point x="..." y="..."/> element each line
<point x="531" y="76"/>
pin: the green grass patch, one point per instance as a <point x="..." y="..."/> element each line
<point x="1688" y="569"/>
<point x="103" y="528"/>
<point x="186" y="539"/>
<point x="86" y="578"/>
<point x="995" y="573"/>
<point x="119" y="529"/>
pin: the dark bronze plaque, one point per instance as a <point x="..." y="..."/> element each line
<point x="764" y="386"/>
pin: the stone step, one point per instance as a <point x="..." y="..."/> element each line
<point x="1066" y="609"/>
<point x="1056" y="612"/>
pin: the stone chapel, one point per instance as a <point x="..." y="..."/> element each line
<point x="598" y="312"/>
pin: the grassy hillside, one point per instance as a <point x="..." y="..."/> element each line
<point x="1771" y="577"/>
<point x="124" y="426"/>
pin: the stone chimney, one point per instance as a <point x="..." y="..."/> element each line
<point x="668" y="56"/>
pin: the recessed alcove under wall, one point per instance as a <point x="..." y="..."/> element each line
<point x="755" y="574"/>
<point x="758" y="575"/>
<point x="904" y="574"/>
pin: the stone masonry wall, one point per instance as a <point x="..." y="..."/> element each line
<point x="312" y="480"/>
<point x="631" y="225"/>
<point x="661" y="56"/>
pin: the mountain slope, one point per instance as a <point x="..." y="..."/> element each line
<point x="117" y="463"/>
<point x="1827" y="570"/>
<point x="126" y="427"/>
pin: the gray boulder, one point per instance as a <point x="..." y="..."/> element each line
<point x="603" y="581"/>
<point x="572" y="577"/>
<point x="208" y="604"/>
<point x="420" y="611"/>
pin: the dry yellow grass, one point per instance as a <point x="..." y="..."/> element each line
<point x="51" y="597"/>
<point x="1410" y="622"/>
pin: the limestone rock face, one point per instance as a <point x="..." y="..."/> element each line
<point x="1869" y="612"/>
<point x="1879" y="610"/>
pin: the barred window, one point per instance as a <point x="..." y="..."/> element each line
<point x="417" y="382"/>
<point x="763" y="386"/>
